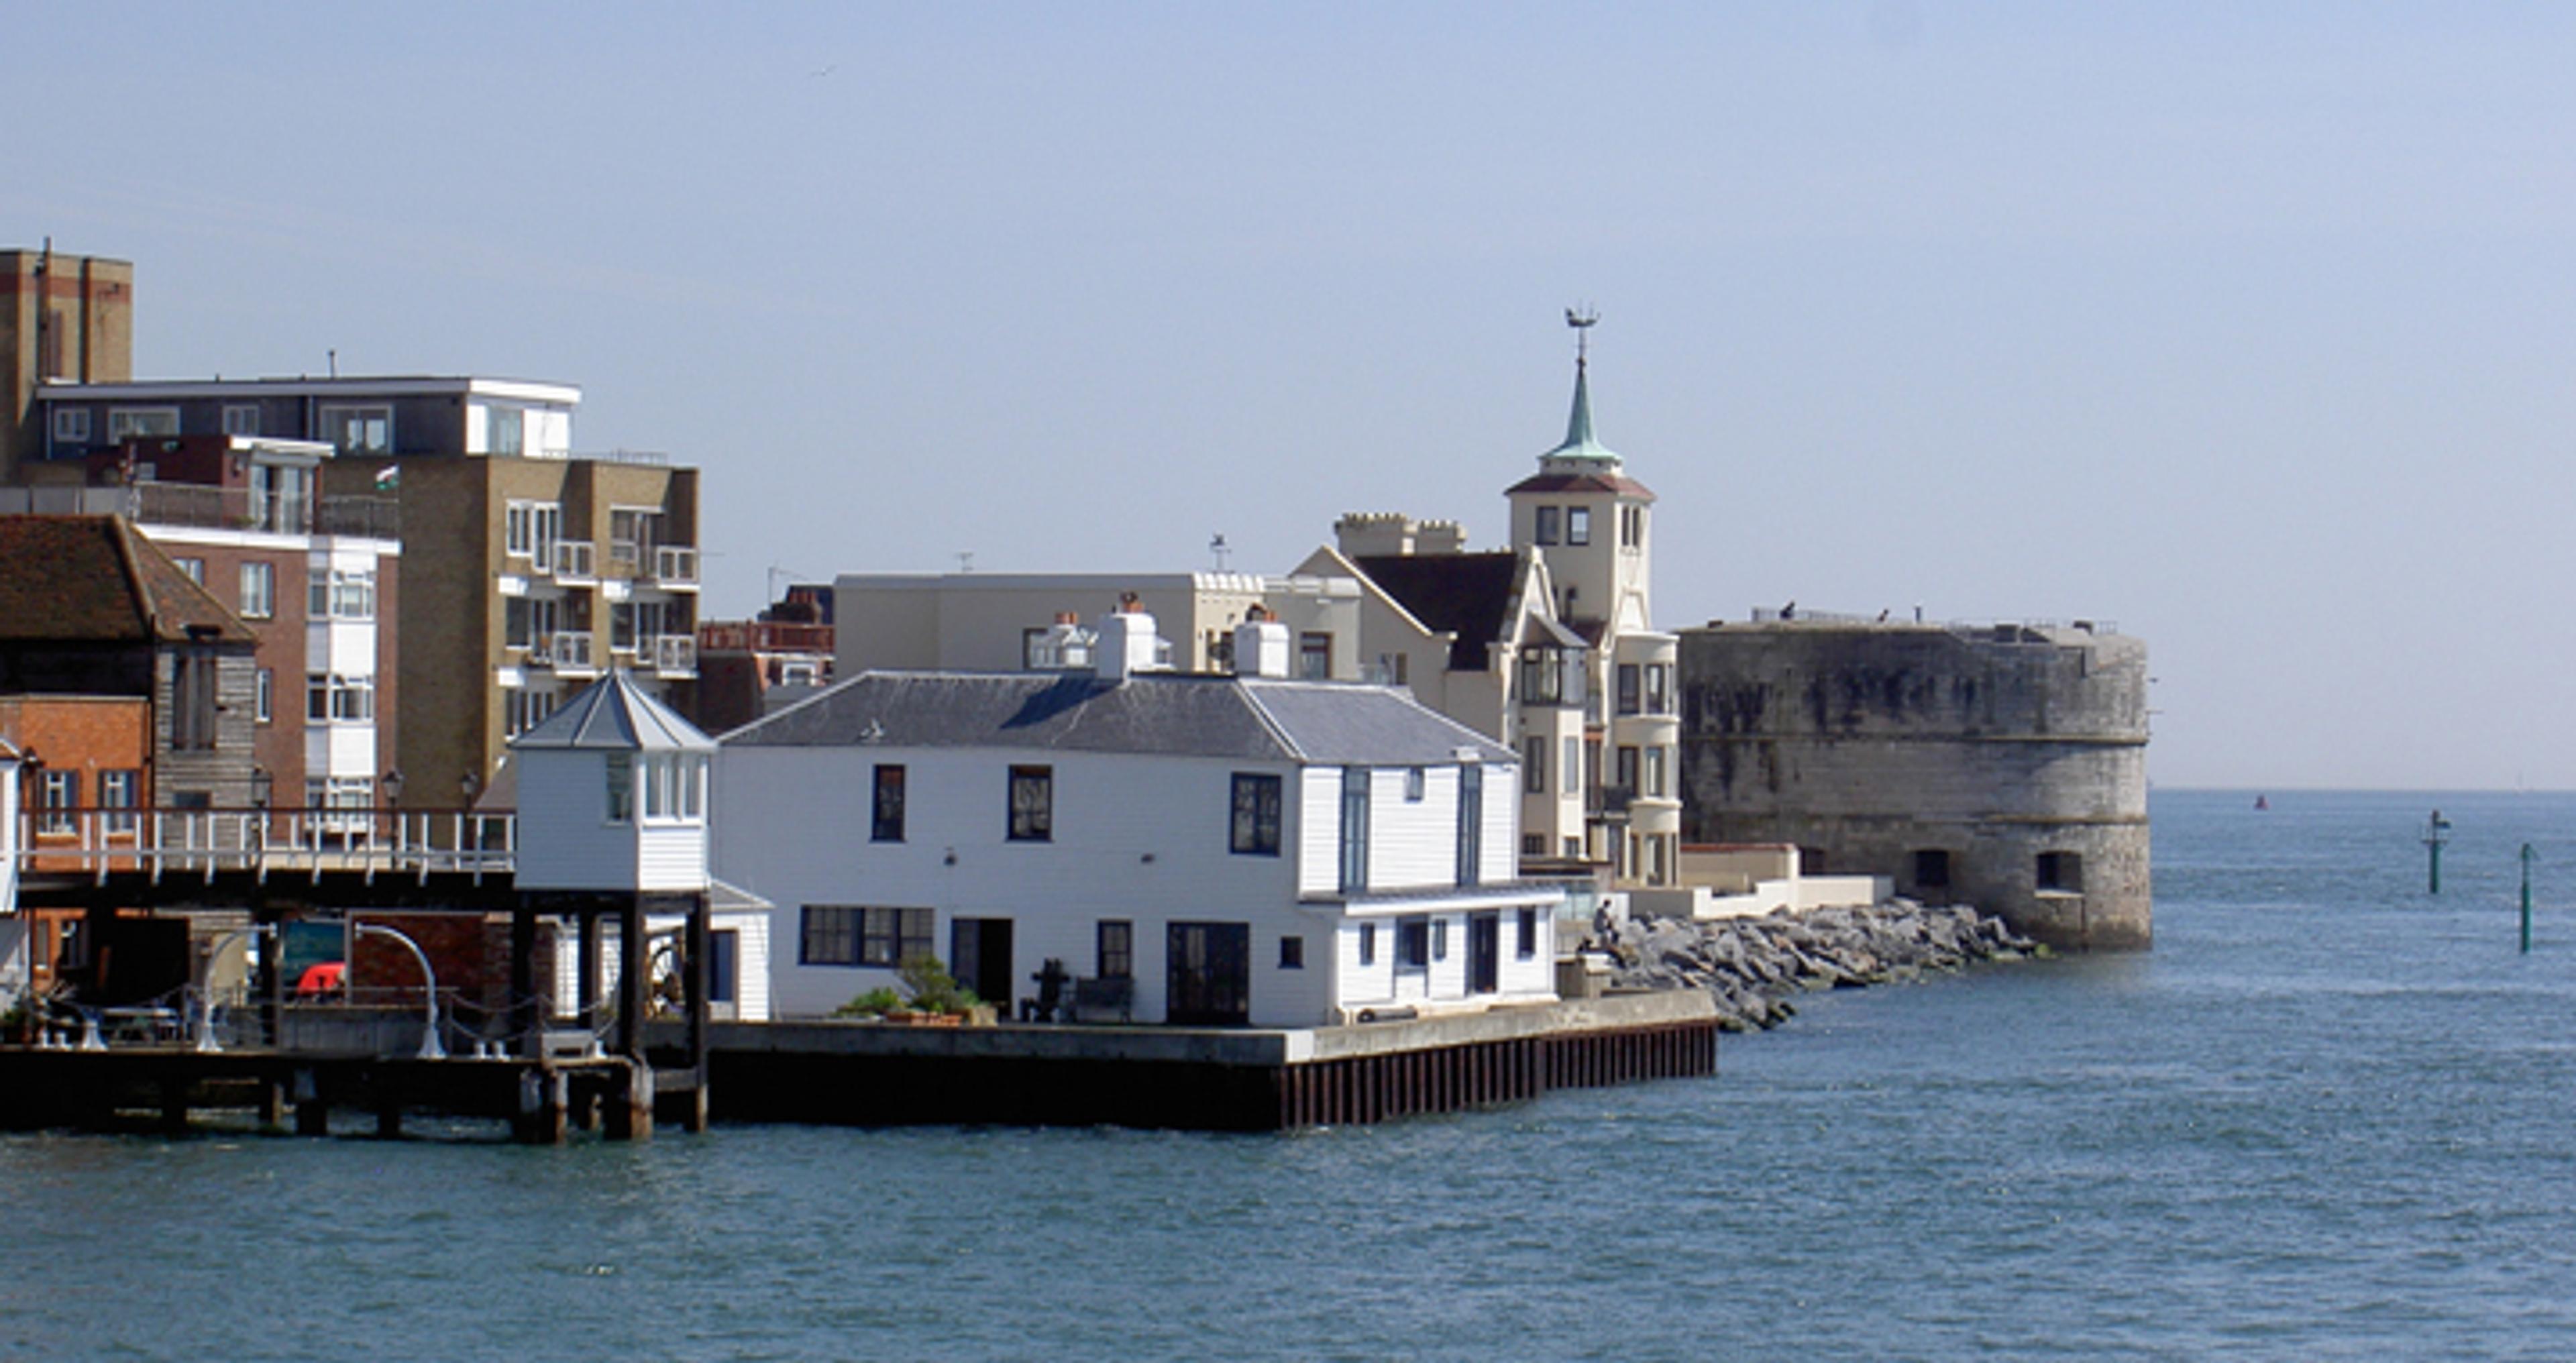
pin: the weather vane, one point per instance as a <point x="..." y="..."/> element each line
<point x="1582" y="317"/>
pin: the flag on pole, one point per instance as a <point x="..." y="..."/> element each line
<point x="388" y="478"/>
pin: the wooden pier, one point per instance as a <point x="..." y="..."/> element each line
<point x="165" y="1088"/>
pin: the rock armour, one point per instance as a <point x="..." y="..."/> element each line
<point x="1753" y="965"/>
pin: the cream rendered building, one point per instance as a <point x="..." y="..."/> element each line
<point x="1548" y="646"/>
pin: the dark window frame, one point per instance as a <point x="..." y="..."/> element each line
<point x="892" y="935"/>
<point x="828" y="934"/>
<point x="1355" y="830"/>
<point x="1543" y="525"/>
<point x="1413" y="943"/>
<point x="1113" y="942"/>
<point x="1030" y="813"/>
<point x="1255" y="805"/>
<point x="1292" y="953"/>
<point x="1578" y="525"/>
<point x="1368" y="944"/>
<point x="886" y="803"/>
<point x="1526" y="948"/>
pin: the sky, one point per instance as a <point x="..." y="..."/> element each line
<point x="2250" y="328"/>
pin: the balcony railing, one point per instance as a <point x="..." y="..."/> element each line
<point x="203" y="506"/>
<point x="566" y="651"/>
<point x="671" y="654"/>
<point x="764" y="636"/>
<point x="576" y="559"/>
<point x="93" y="842"/>
<point x="675" y="565"/>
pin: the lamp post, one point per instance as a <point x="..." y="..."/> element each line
<point x="392" y="786"/>
<point x="430" y="1048"/>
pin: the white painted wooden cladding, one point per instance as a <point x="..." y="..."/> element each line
<point x="1319" y="844"/>
<point x="670" y="856"/>
<point x="751" y="963"/>
<point x="1413" y="845"/>
<point x="793" y="824"/>
<point x="565" y="839"/>
<point x="1499" y="855"/>
<point x="1445" y="981"/>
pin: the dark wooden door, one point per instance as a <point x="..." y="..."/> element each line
<point x="1484" y="952"/>
<point x="1209" y="974"/>
<point x="979" y="955"/>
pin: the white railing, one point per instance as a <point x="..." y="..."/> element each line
<point x="674" y="653"/>
<point x="576" y="559"/>
<point x="163" y="843"/>
<point x="675" y="565"/>
<point x="567" y="651"/>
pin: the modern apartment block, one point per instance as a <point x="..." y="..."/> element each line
<point x="1546" y="646"/>
<point x="312" y="577"/>
<point x="527" y="570"/>
<point x="63" y="319"/>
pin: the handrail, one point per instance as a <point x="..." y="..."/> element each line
<point x="96" y="841"/>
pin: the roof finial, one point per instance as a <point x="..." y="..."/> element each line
<point x="1583" y="317"/>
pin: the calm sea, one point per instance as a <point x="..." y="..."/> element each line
<point x="2329" y="1117"/>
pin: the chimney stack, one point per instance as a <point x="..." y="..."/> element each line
<point x="1261" y="646"/>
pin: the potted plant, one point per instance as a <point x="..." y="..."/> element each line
<point x="933" y="996"/>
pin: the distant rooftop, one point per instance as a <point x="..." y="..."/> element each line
<point x="394" y="385"/>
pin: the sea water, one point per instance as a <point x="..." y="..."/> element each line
<point x="2329" y="1116"/>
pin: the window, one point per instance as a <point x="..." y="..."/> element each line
<point x="1440" y="939"/>
<point x="885" y="811"/>
<point x="333" y="698"/>
<point x="529" y="530"/>
<point x="348" y="594"/>
<point x="621" y="787"/>
<point x="1624" y="769"/>
<point x="1413" y="943"/>
<point x="1355" y="829"/>
<point x="1570" y="767"/>
<point x="57" y="796"/>
<point x="890" y="937"/>
<point x="263" y="701"/>
<point x="1578" y="525"/>
<point x="827" y="934"/>
<point x="632" y="533"/>
<point x="1415" y="783"/>
<point x="1315" y="657"/>
<point x="1032" y="804"/>
<point x="258" y="590"/>
<point x="241" y="419"/>
<point x="1632" y="527"/>
<point x="673" y="786"/>
<point x="1526" y="946"/>
<point x="1471" y="823"/>
<point x="356" y="430"/>
<point x="506" y="430"/>
<point x="1292" y="953"/>
<point x="1115" y="949"/>
<point x="1534" y="766"/>
<point x="192" y="699"/>
<point x="1932" y="869"/>
<point x="1628" y="688"/>
<point x="119" y="790"/>
<point x="1256" y="814"/>
<point x="71" y="424"/>
<point x="1659" y="688"/>
<point x="126" y="423"/>
<point x="195" y="568"/>
<point x="1547" y="523"/>
<point x="1368" y="944"/>
<point x="1533" y="844"/>
<point x="724" y="964"/>
<point x="527" y="709"/>
<point x="2061" y="871"/>
<point x="1655" y="772"/>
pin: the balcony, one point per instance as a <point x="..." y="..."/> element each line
<point x="675" y="565"/>
<point x="576" y="561"/>
<point x="208" y="507"/>
<point x="671" y="655"/>
<point x="569" y="652"/>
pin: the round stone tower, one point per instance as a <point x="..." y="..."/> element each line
<point x="2002" y="766"/>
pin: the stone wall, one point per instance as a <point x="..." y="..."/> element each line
<point x="2000" y="765"/>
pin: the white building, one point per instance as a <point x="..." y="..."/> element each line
<point x="1243" y="849"/>
<point x="1547" y="646"/>
<point x="997" y="622"/>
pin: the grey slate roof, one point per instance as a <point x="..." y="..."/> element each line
<point x="1158" y="713"/>
<point x="614" y="713"/>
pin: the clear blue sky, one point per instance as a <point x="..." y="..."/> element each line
<point x="2251" y="328"/>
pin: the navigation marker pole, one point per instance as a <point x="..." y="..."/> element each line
<point x="2437" y="831"/>
<point x="2527" y="855"/>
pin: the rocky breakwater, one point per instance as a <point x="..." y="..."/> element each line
<point x="1754" y="965"/>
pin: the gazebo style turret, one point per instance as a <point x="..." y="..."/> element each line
<point x="613" y="818"/>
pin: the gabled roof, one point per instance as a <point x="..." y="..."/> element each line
<point x="614" y="714"/>
<point x="1170" y="714"/>
<point x="1470" y="594"/>
<point x="92" y="579"/>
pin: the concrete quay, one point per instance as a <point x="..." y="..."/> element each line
<point x="875" y="1074"/>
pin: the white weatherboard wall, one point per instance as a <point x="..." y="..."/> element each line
<point x="563" y="822"/>
<point x="792" y="826"/>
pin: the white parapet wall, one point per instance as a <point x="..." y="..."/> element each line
<point x="1701" y="903"/>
